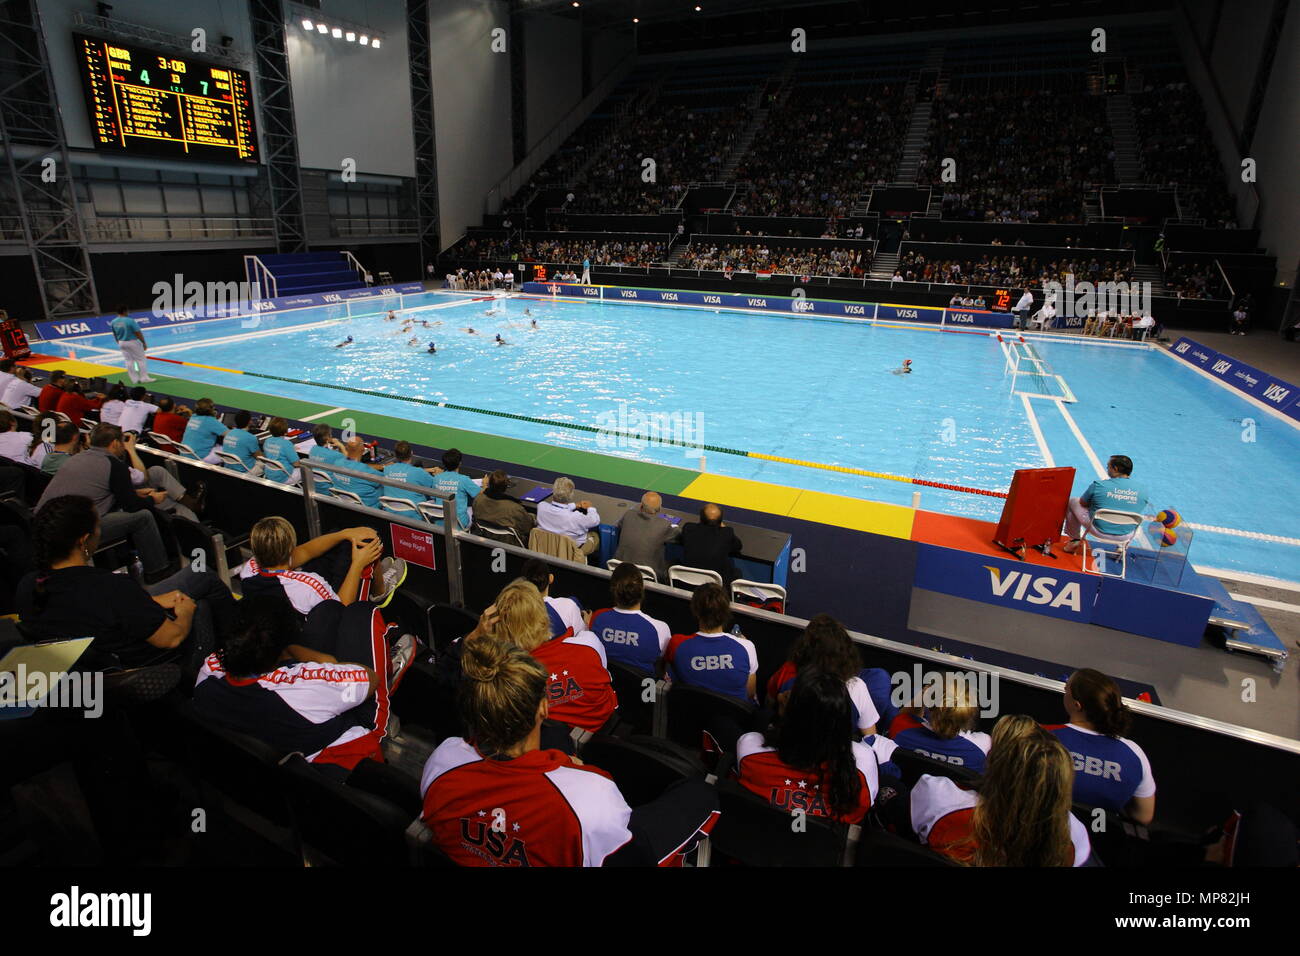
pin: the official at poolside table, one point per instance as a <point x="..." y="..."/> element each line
<point x="1118" y="492"/>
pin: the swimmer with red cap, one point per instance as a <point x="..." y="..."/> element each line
<point x="904" y="369"/>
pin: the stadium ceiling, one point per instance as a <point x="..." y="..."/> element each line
<point x="667" y="25"/>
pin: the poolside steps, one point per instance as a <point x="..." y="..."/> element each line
<point x="1243" y="626"/>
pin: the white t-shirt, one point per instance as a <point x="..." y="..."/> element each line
<point x="135" y="414"/>
<point x="13" y="445"/>
<point x="18" y="393"/>
<point x="111" y="412"/>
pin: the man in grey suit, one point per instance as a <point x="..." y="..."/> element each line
<point x="643" y="533"/>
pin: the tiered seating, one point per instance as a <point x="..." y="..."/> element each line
<point x="297" y="273"/>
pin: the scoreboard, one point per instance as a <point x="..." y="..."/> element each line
<point x="160" y="104"/>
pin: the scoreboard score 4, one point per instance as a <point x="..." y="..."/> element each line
<point x="143" y="101"/>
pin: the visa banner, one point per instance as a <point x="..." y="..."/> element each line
<point x="1273" y="391"/>
<point x="99" y="324"/>
<point x="1055" y="592"/>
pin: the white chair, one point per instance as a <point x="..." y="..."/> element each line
<point x="1119" y="541"/>
<point x="693" y="577"/>
<point x="30" y="410"/>
<point x="270" y="466"/>
<point x="401" y="506"/>
<point x="509" y="535"/>
<point x="432" y="510"/>
<point x="759" y="590"/>
<point x="322" y="482"/>
<point x="344" y="495"/>
<point x="167" y="443"/>
<point x="232" y="461"/>
<point x="647" y="572"/>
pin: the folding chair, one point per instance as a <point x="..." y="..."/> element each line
<point x="270" y="466"/>
<point x="693" y="578"/>
<point x="432" y="511"/>
<point x="168" y="444"/>
<point x="345" y="495"/>
<point x="695" y="717"/>
<point x="231" y="461"/>
<point x="401" y="506"/>
<point x="769" y="596"/>
<point x="509" y="535"/>
<point x="647" y="572"/>
<point x="1121" y="541"/>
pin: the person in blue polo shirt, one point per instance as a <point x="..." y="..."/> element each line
<point x="279" y="449"/>
<point x="242" y="443"/>
<point x="204" y="430"/>
<point x="711" y="658"/>
<point x="449" y="480"/>
<point x="630" y="635"/>
<point x="328" y="448"/>
<point x="1118" y="492"/>
<point x="413" y="475"/>
<point x="129" y="338"/>
<point x="1110" y="770"/>
<point x="368" y="491"/>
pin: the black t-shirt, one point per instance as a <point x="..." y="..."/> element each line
<point x="93" y="602"/>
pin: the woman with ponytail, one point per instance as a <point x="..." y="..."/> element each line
<point x="495" y="797"/>
<point x="809" y="760"/>
<point x="1020" y="815"/>
<point x="67" y="596"/>
<point x="1110" y="771"/>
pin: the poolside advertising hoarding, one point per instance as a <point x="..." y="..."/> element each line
<point x="798" y="305"/>
<point x="1273" y="391"/>
<point x="99" y="324"/>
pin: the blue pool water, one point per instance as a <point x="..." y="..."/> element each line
<point x="808" y="389"/>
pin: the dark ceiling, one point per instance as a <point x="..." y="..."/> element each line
<point x="672" y="25"/>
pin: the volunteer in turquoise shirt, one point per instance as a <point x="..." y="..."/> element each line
<point x="451" y="481"/>
<point x="281" y="450"/>
<point x="413" y="475"/>
<point x="204" y="430"/>
<point x="242" y="443"/>
<point x="1118" y="492"/>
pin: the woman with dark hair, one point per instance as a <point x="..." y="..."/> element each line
<point x="204" y="431"/>
<point x="711" y="658"/>
<point x="1110" y="771"/>
<point x="826" y="646"/>
<point x="1020" y="816"/>
<point x="808" y="761"/>
<point x="111" y="410"/>
<point x="68" y="597"/>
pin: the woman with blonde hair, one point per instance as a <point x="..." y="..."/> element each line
<point x="943" y="730"/>
<point x="1020" y="815"/>
<point x="495" y="797"/>
<point x="579" y="688"/>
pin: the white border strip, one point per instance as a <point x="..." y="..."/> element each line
<point x="1245" y="396"/>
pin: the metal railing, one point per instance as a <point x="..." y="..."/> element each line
<point x="257" y="275"/>
<point x="347" y="228"/>
<point x="172" y="228"/>
<point x="308" y="468"/>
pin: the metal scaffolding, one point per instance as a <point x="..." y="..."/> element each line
<point x="426" y="148"/>
<point x="37" y="155"/>
<point x="275" y="97"/>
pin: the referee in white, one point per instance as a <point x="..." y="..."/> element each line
<point x="131" y="341"/>
<point x="1021" y="311"/>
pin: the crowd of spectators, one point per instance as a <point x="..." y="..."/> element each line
<point x="821" y="150"/>
<point x="1021" y="156"/>
<point x="634" y="252"/>
<point x="1195" y="280"/>
<point x="1177" y="148"/>
<point x="785" y="260"/>
<point x="1013" y="270"/>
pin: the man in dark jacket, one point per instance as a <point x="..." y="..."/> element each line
<point x="711" y="544"/>
<point x="495" y="507"/>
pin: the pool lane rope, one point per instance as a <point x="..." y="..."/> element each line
<point x="740" y="453"/>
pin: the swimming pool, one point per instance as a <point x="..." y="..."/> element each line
<point x="812" y="389"/>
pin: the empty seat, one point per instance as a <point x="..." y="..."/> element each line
<point x="692" y="578"/>
<point x="340" y="825"/>
<point x="643" y="767"/>
<point x="752" y="832"/>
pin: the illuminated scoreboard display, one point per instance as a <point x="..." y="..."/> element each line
<point x="141" y="101"/>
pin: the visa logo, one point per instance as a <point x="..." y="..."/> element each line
<point x="627" y="293"/>
<point x="68" y="328"/>
<point x="855" y="310"/>
<point x="1068" y="596"/>
<point x="1182" y="347"/>
<point x="263" y="306"/>
<point x="179" y="316"/>
<point x="587" y="290"/>
<point x="668" y="297"/>
<point x="906" y="313"/>
<point x="1276" y="393"/>
<point x="388" y="290"/>
<point x="332" y="298"/>
<point x="758" y="303"/>
<point x="961" y="317"/>
<point x="1221" y="366"/>
<point x="713" y="300"/>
